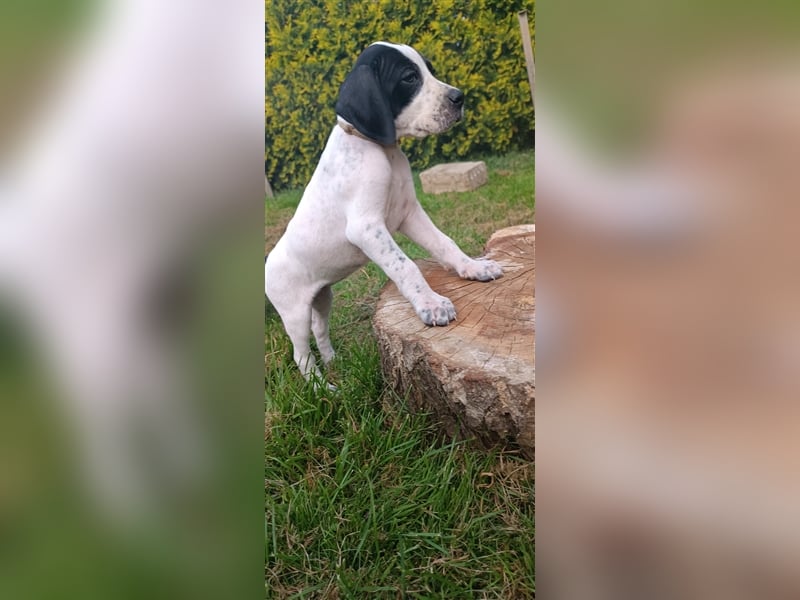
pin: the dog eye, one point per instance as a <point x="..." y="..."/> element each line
<point x="410" y="77"/>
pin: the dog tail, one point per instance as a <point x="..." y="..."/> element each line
<point x="265" y="280"/>
<point x="268" y="307"/>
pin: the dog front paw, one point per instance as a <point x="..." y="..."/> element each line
<point x="435" y="310"/>
<point x="480" y="270"/>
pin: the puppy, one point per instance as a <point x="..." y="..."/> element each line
<point x="360" y="194"/>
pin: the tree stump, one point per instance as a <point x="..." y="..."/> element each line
<point x="477" y="375"/>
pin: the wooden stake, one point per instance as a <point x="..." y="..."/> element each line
<point x="528" y="48"/>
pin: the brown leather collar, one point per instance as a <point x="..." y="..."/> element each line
<point x="350" y="130"/>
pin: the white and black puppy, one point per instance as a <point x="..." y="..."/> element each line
<point x="360" y="194"/>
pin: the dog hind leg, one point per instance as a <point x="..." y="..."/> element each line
<point x="293" y="303"/>
<point x="297" y="323"/>
<point x="296" y="316"/>
<point x="320" y="310"/>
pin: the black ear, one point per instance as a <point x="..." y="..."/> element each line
<point x="363" y="103"/>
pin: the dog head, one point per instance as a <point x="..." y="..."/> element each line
<point x="392" y="93"/>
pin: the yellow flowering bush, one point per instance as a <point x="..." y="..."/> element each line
<point x="474" y="45"/>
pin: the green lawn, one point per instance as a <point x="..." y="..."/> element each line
<point x="361" y="502"/>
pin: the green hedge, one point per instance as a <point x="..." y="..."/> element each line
<point x="473" y="44"/>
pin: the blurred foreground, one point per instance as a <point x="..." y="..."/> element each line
<point x="131" y="199"/>
<point x="667" y="413"/>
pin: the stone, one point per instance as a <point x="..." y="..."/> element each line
<point x="454" y="177"/>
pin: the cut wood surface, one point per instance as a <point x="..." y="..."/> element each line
<point x="477" y="375"/>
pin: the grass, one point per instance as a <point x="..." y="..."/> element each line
<point x="361" y="501"/>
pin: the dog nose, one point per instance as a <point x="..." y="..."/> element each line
<point x="456" y="96"/>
